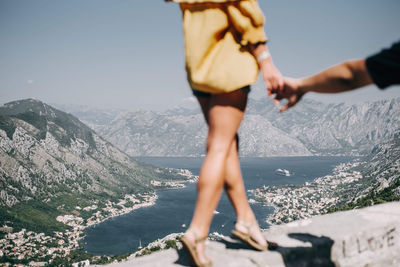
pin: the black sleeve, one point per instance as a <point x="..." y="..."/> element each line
<point x="384" y="67"/>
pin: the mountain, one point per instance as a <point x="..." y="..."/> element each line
<point x="384" y="161"/>
<point x="339" y="129"/>
<point x="50" y="162"/>
<point x="95" y="118"/>
<point x="310" y="128"/>
<point x="153" y="134"/>
<point x="381" y="182"/>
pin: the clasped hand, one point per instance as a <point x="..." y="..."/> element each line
<point x="291" y="90"/>
<point x="280" y="88"/>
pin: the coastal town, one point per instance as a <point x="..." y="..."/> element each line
<point x="41" y="249"/>
<point x="293" y="202"/>
<point x="44" y="248"/>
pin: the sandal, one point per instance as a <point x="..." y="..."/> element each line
<point x="246" y="237"/>
<point x="191" y="248"/>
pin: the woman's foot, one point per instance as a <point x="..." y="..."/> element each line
<point x="196" y="247"/>
<point x="250" y="233"/>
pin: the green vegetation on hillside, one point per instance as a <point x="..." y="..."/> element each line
<point x="40" y="122"/>
<point x="33" y="215"/>
<point x="40" y="216"/>
<point x="386" y="195"/>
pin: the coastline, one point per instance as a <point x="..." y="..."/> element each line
<point x="294" y="202"/>
<point x="21" y="245"/>
<point x="120" y="208"/>
<point x="123" y="206"/>
<point x="342" y="173"/>
<point x="150" y="201"/>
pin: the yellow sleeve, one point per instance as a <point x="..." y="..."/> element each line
<point x="248" y="19"/>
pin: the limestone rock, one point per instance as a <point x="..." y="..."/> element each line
<point x="45" y="152"/>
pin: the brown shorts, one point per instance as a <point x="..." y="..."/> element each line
<point x="198" y="93"/>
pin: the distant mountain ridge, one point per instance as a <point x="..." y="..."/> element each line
<point x="310" y="128"/>
<point x="336" y="129"/>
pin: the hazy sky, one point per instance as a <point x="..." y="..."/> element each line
<point x="129" y="53"/>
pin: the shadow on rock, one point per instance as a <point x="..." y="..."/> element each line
<point x="319" y="254"/>
<point x="235" y="245"/>
<point x="183" y="258"/>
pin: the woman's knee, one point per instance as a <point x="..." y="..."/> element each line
<point x="220" y="147"/>
<point x="222" y="144"/>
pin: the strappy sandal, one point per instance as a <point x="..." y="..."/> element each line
<point x="246" y="237"/>
<point x="191" y="248"/>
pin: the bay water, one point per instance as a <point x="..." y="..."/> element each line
<point x="174" y="207"/>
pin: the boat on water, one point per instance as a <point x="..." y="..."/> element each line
<point x="282" y="172"/>
<point x="140" y="244"/>
<point x="251" y="201"/>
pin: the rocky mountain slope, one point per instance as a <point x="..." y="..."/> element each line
<point x="49" y="159"/>
<point x="381" y="182"/>
<point x="310" y="128"/>
<point x="340" y="129"/>
<point x="384" y="161"/>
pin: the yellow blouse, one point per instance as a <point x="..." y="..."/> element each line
<point x="217" y="34"/>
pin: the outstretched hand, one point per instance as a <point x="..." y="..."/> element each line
<point x="290" y="91"/>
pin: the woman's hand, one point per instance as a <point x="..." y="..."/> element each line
<point x="272" y="77"/>
<point x="292" y="91"/>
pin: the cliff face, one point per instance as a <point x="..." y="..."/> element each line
<point x="384" y="161"/>
<point x="51" y="163"/>
<point x="381" y="172"/>
<point x="365" y="237"/>
<point x="310" y="128"/>
<point x="45" y="152"/>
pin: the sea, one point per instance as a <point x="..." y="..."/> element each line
<point x="174" y="207"/>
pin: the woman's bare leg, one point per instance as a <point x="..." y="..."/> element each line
<point x="236" y="192"/>
<point x="234" y="187"/>
<point x="223" y="114"/>
<point x="233" y="181"/>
